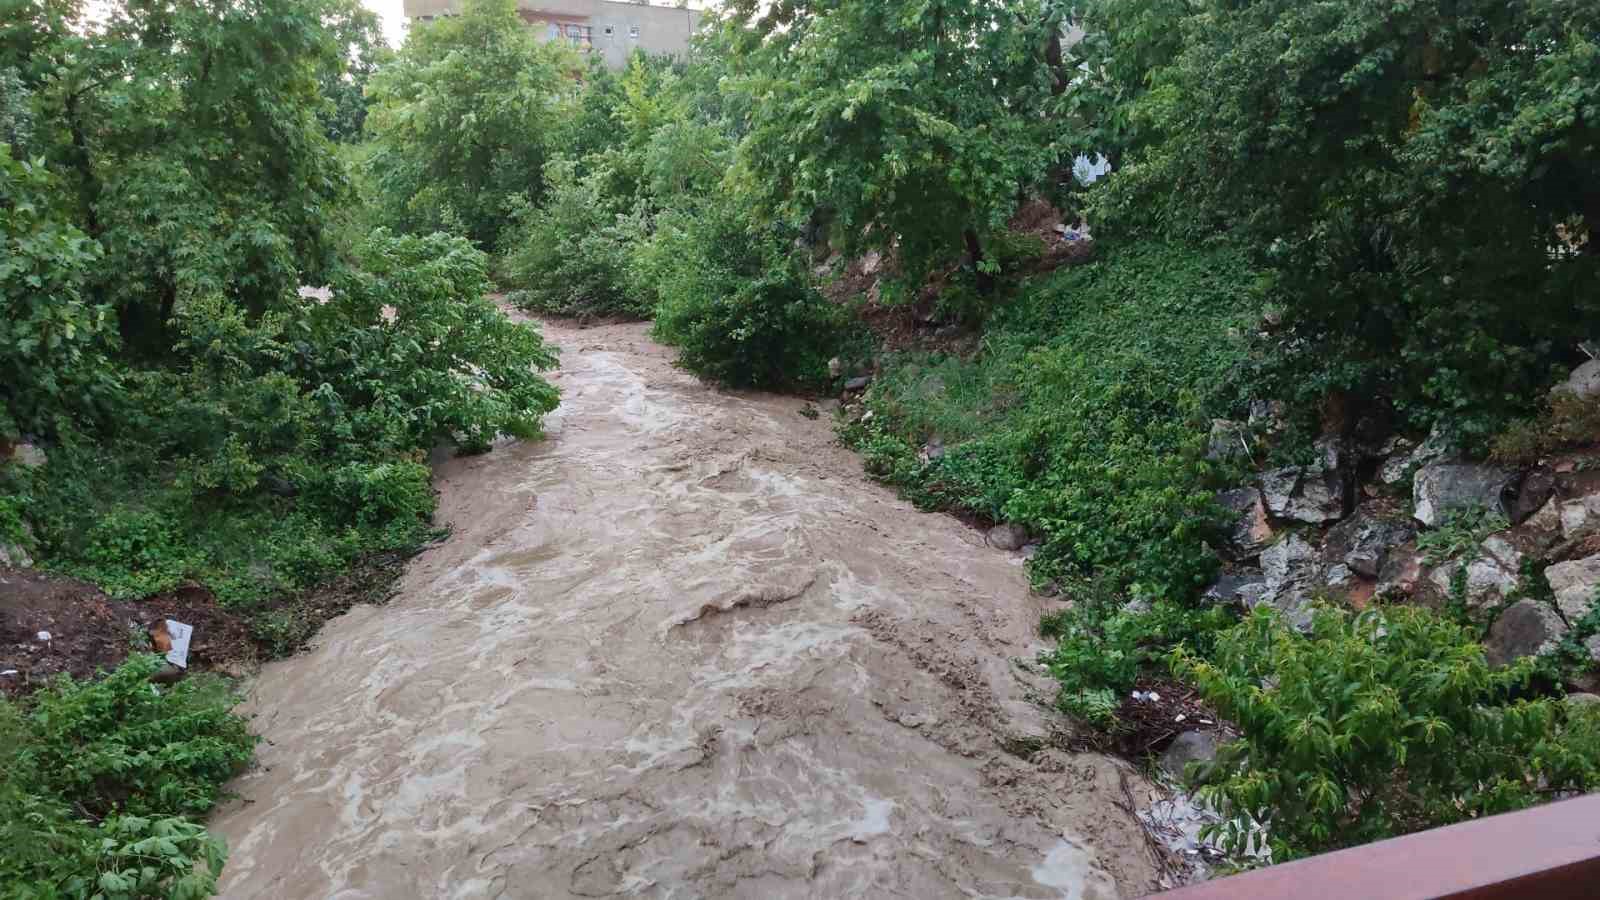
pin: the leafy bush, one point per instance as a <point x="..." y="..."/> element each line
<point x="1461" y="531"/>
<point x="739" y="309"/>
<point x="99" y="783"/>
<point x="1374" y="725"/>
<point x="570" y="256"/>
<point x="1084" y="416"/>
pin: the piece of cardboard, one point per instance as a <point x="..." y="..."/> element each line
<point x="179" y="654"/>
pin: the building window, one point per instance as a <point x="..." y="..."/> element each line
<point x="633" y="32"/>
<point x="579" y="35"/>
<point x="609" y="29"/>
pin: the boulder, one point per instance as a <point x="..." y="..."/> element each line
<point x="1592" y="647"/>
<point x="932" y="450"/>
<point x="1314" y="494"/>
<point x="1402" y="571"/>
<point x="1406" y="457"/>
<point x="1584" y="381"/>
<point x="1228" y="440"/>
<point x="1251" y="531"/>
<point x="1574" y="585"/>
<point x="1580" y="517"/>
<point x="1293" y="573"/>
<point x="1526" y="628"/>
<point x="1244" y="589"/>
<point x="1491" y="577"/>
<point x="1188" y="747"/>
<point x="28" y="456"/>
<point x="1537" y="487"/>
<point x="1008" y="536"/>
<point x="14" y="555"/>
<point x="1442" y="487"/>
<point x="1581" y="700"/>
<point x="858" y="383"/>
<point x="1363" y="542"/>
<point x="870" y="262"/>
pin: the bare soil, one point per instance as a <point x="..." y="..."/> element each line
<point x="680" y="648"/>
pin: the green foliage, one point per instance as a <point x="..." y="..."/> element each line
<point x="1082" y="418"/>
<point x="463" y="120"/>
<point x="739" y="309"/>
<point x="1566" y="421"/>
<point x="1461" y="531"/>
<point x="1420" y="176"/>
<point x="570" y="256"/>
<point x="912" y="126"/>
<point x="53" y="336"/>
<point x="1375" y="725"/>
<point x="99" y="782"/>
<point x="1103" y="645"/>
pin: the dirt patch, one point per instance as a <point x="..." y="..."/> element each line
<point x="1157" y="710"/>
<point x="91" y="633"/>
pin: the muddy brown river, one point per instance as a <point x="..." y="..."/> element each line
<point x="680" y="648"/>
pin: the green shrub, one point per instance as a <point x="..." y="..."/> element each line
<point x="1461" y="531"/>
<point x="1085" y="414"/>
<point x="100" y="782"/>
<point x="738" y="308"/>
<point x="1374" y="725"/>
<point x="570" y="255"/>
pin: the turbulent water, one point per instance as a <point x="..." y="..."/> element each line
<point x="680" y="648"/>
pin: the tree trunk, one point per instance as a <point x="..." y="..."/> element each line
<point x="984" y="280"/>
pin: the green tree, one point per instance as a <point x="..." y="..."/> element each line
<point x="1423" y="173"/>
<point x="913" y="125"/>
<point x="464" y="120"/>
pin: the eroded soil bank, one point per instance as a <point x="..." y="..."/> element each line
<point x="682" y="648"/>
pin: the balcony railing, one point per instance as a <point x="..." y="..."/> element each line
<point x="1550" y="852"/>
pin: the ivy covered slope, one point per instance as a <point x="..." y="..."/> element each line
<point x="166" y="188"/>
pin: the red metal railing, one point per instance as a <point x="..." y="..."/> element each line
<point x="1551" y="852"/>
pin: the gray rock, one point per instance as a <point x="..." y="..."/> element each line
<point x="1533" y="493"/>
<point x="1581" y="700"/>
<point x="1313" y="494"/>
<point x="1442" y="487"/>
<point x="870" y="262"/>
<point x="14" y="555"/>
<point x="1491" y="576"/>
<point x="1592" y="647"/>
<point x="1407" y="456"/>
<point x="1402" y="572"/>
<point x="835" y="367"/>
<point x="1584" y="381"/>
<point x="1251" y="531"/>
<point x="1293" y="572"/>
<point x="1243" y="588"/>
<point x="1191" y="746"/>
<point x="932" y="450"/>
<point x="1363" y="542"/>
<point x="1580" y="517"/>
<point x="858" y="383"/>
<point x="1526" y="628"/>
<point x="29" y="456"/>
<point x="1574" y="585"/>
<point x="1228" y="440"/>
<point x="1008" y="536"/>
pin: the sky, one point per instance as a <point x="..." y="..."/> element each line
<point x="393" y="19"/>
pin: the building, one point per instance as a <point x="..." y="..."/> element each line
<point x="610" y="28"/>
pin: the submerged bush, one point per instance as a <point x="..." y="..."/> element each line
<point x="1374" y="725"/>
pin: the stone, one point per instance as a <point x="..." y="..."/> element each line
<point x="835" y="367"/>
<point x="1313" y="494"/>
<point x="1580" y="517"/>
<point x="1526" y="628"/>
<point x="1008" y="536"/>
<point x="1244" y="589"/>
<point x="1188" y="747"/>
<point x="932" y="450"/>
<point x="1402" y="571"/>
<point x="858" y="383"/>
<point x="1581" y="700"/>
<point x="1228" y="440"/>
<point x="1267" y="415"/>
<point x="1536" y="489"/>
<point x="1407" y="456"/>
<point x="14" y="555"/>
<point x="1251" y="532"/>
<point x="870" y="262"/>
<point x="1491" y="577"/>
<point x="1363" y="541"/>
<point x="1442" y="487"/>
<point x="1584" y="381"/>
<point x="1292" y="572"/>
<point x="1574" y="585"/>
<point x="1592" y="647"/>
